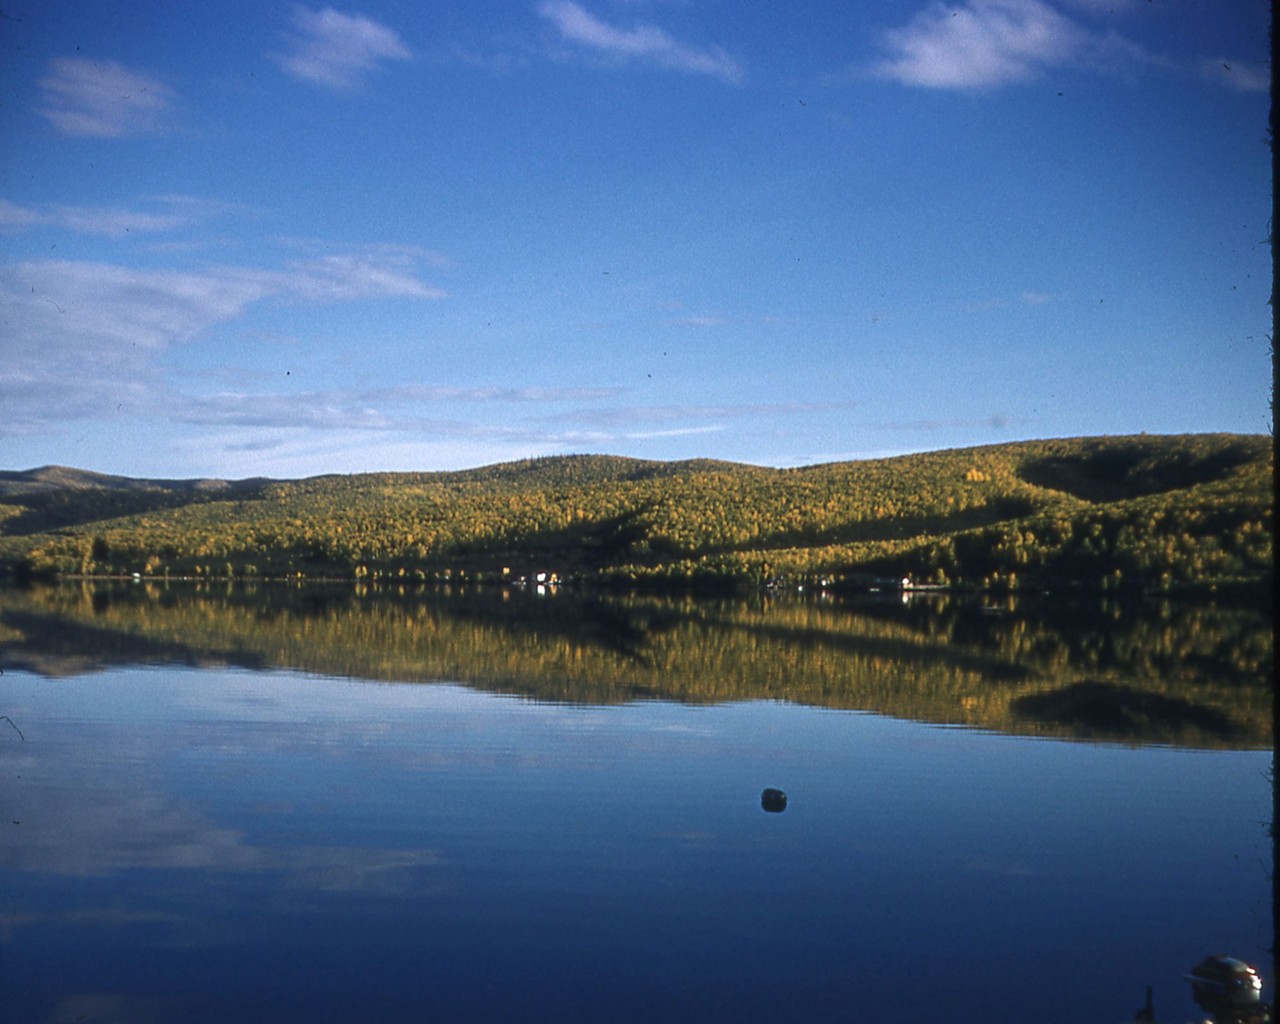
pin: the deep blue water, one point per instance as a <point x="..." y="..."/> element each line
<point x="225" y="845"/>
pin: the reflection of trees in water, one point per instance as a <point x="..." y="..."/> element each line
<point x="1158" y="673"/>
<point x="1113" y="712"/>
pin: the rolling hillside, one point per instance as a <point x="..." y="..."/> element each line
<point x="1155" y="512"/>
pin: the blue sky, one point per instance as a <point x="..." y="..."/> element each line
<point x="246" y="239"/>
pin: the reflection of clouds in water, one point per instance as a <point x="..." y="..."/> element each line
<point x="407" y="726"/>
<point x="78" y="826"/>
<point x="74" y="824"/>
<point x="358" y="869"/>
<point x="82" y="919"/>
<point x="115" y="1008"/>
<point x="288" y="696"/>
<point x="1005" y="868"/>
<point x="111" y="816"/>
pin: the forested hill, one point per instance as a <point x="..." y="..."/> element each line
<point x="1151" y="511"/>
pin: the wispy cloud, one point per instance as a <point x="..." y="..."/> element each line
<point x="369" y="409"/>
<point x="423" y="393"/>
<point x="363" y="429"/>
<point x="1027" y="298"/>
<point x="14" y="216"/>
<point x="93" y="342"/>
<point x="171" y="213"/>
<point x="1237" y="74"/>
<point x="342" y="277"/>
<point x="645" y="43"/>
<point x="636" y="415"/>
<point x="338" y="50"/>
<point x="317" y="441"/>
<point x="600" y="438"/>
<point x="68" y="305"/>
<point x="103" y="99"/>
<point x="697" y="320"/>
<point x="986" y="44"/>
<point x="84" y="339"/>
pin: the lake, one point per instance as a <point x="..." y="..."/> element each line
<point x="275" y="803"/>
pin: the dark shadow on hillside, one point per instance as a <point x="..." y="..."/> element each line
<point x="1105" y="711"/>
<point x="59" y="509"/>
<point x="896" y="527"/>
<point x="1116" y="471"/>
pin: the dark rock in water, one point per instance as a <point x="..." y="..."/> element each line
<point x="773" y="800"/>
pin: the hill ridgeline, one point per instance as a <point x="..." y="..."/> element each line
<point x="1156" y="512"/>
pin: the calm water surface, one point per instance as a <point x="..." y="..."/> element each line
<point x="189" y="838"/>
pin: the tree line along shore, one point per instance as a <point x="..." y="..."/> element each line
<point x="1156" y="513"/>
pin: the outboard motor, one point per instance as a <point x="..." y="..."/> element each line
<point x="1229" y="990"/>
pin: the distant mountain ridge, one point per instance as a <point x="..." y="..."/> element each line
<point x="53" y="478"/>
<point x="1155" y="511"/>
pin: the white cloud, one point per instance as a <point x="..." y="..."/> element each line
<point x="14" y="216"/>
<point x="103" y="99"/>
<point x="343" y="277"/>
<point x="328" y="411"/>
<point x="84" y="339"/>
<point x="387" y="428"/>
<point x="63" y="305"/>
<point x="646" y="43"/>
<point x="631" y="417"/>
<point x="338" y="50"/>
<point x="295" y="454"/>
<point x="369" y="409"/>
<point x="109" y="221"/>
<point x="113" y="222"/>
<point x="420" y="393"/>
<point x="91" y="341"/>
<point x="600" y="437"/>
<point x="161" y="214"/>
<point x="703" y="320"/>
<point x="985" y="44"/>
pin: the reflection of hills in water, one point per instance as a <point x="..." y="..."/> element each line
<point x="1196" y="676"/>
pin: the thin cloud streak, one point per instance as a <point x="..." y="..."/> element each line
<point x="680" y="413"/>
<point x="1237" y="74"/>
<point x="697" y="321"/>
<point x="368" y="409"/>
<point x="103" y="99"/>
<point x="600" y="438"/>
<point x="338" y="51"/>
<point x="345" y="277"/>
<point x="107" y="222"/>
<point x="421" y="393"/>
<point x="447" y="445"/>
<point x="364" y="428"/>
<point x="172" y="213"/>
<point x="645" y="43"/>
